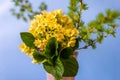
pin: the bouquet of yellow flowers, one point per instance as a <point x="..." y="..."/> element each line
<point x="51" y="40"/>
<point x="53" y="36"/>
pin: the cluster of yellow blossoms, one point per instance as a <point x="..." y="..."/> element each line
<point x="51" y="24"/>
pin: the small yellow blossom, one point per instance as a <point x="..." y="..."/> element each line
<point x="26" y="49"/>
<point x="34" y="61"/>
<point x="71" y="43"/>
<point x="59" y="37"/>
<point x="37" y="43"/>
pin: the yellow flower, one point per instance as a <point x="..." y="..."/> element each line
<point x="68" y="32"/>
<point x="34" y="61"/>
<point x="37" y="43"/>
<point x="22" y="47"/>
<point x="40" y="44"/>
<point x="57" y="12"/>
<point x="26" y="49"/>
<point x="59" y="37"/>
<point x="72" y="38"/>
<point x="71" y="43"/>
<point x="75" y="32"/>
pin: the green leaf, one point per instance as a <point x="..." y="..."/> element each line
<point x="70" y="67"/>
<point x="84" y="6"/>
<point x="93" y="46"/>
<point x="17" y="3"/>
<point x="100" y="17"/>
<point x="39" y="57"/>
<point x="51" y="48"/>
<point x="51" y="61"/>
<point x="66" y="52"/>
<point x="28" y="39"/>
<point x="56" y="70"/>
<point x="43" y="6"/>
<point x="100" y="38"/>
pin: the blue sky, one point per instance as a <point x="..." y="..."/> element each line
<point x="102" y="63"/>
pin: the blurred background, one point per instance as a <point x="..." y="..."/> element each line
<point x="103" y="63"/>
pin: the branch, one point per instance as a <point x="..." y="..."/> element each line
<point x="86" y="46"/>
<point x="79" y="13"/>
<point x="81" y="2"/>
